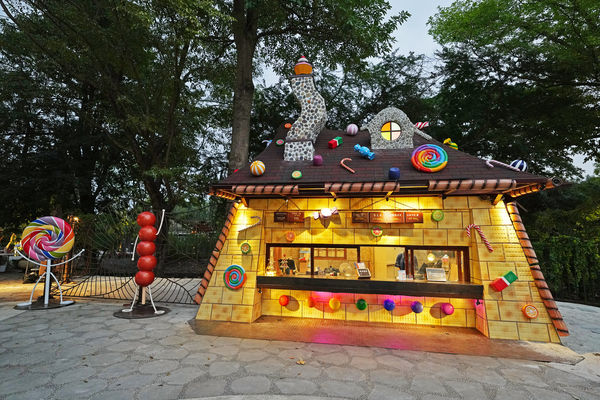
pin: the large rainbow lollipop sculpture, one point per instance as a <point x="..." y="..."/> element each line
<point x="429" y="158"/>
<point x="47" y="238"/>
<point x="44" y="240"/>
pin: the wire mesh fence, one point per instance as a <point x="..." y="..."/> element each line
<point x="107" y="267"/>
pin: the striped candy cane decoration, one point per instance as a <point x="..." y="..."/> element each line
<point x="485" y="241"/>
<point x="421" y="125"/>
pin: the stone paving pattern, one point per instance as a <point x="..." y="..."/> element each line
<point x="83" y="352"/>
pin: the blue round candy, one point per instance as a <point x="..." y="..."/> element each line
<point x="519" y="164"/>
<point x="417" y="307"/>
<point x="389" y="304"/>
<point x="394" y="173"/>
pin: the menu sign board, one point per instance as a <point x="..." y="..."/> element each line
<point x="289" y="216"/>
<point x="412" y="217"/>
<point x="360" y="217"/>
<point x="387" y="217"/>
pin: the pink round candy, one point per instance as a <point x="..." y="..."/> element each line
<point x="447" y="308"/>
<point x="351" y="129"/>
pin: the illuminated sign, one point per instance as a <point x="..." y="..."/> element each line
<point x="387" y="217"/>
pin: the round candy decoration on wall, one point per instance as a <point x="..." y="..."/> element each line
<point x="377" y="231"/>
<point x="417" y="307"/>
<point x="361" y="304"/>
<point x="284" y="300"/>
<point x="287" y="125"/>
<point x="530" y="311"/>
<point x="257" y="168"/>
<point x="429" y="158"/>
<point x="334" y="303"/>
<point x="245" y="248"/>
<point x="311" y="302"/>
<point x="279" y="142"/>
<point x="290" y="236"/>
<point x="389" y="304"/>
<point x="437" y="215"/>
<point x="447" y="308"/>
<point x="234" y="277"/>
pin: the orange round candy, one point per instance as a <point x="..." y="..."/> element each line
<point x="287" y="125"/>
<point x="530" y="311"/>
<point x="290" y="236"/>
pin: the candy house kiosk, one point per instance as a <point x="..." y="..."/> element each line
<point x="381" y="224"/>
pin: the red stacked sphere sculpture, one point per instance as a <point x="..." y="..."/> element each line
<point x="146" y="249"/>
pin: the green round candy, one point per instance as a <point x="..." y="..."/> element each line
<point x="297" y="174"/>
<point x="245" y="248"/>
<point x="361" y="304"/>
<point x="437" y="215"/>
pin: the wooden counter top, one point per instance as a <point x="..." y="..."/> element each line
<point x="406" y="288"/>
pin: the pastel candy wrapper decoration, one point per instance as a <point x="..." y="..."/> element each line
<point x="429" y="158"/>
<point x="47" y="238"/>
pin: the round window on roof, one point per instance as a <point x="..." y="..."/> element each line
<point x="390" y="131"/>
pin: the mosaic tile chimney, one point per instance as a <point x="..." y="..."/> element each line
<point x="299" y="143"/>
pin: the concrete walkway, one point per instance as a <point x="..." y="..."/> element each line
<point x="83" y="352"/>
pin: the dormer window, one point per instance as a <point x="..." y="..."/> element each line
<point x="390" y="131"/>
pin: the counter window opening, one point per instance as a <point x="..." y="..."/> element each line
<point x="384" y="262"/>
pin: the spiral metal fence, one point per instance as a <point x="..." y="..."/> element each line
<point x="106" y="269"/>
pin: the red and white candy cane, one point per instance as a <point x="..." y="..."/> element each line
<point x="489" y="163"/>
<point x="421" y="125"/>
<point x="483" y="238"/>
<point x="345" y="166"/>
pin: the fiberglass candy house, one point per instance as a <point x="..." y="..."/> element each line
<point x="382" y="224"/>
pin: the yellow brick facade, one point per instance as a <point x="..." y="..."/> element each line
<point x="497" y="315"/>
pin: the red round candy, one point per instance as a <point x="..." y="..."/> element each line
<point x="148" y="233"/>
<point x="146" y="248"/>
<point x="284" y="300"/>
<point x="311" y="302"/>
<point x="146" y="263"/>
<point x="144" y="278"/>
<point x="146" y="218"/>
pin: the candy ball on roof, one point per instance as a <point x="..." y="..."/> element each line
<point x="519" y="164"/>
<point x="257" y="168"/>
<point x="352" y="130"/>
<point x="303" y="67"/>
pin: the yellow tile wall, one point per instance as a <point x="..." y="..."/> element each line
<point x="499" y="317"/>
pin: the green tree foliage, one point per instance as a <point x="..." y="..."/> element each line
<point x="275" y="33"/>
<point x="564" y="226"/>
<point x="140" y="68"/>
<point x="520" y="79"/>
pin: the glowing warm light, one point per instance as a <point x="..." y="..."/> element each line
<point x="430" y="257"/>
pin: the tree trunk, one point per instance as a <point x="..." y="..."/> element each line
<point x="245" y="37"/>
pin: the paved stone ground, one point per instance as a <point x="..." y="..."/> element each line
<point x="83" y="352"/>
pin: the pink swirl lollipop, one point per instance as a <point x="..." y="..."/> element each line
<point x="47" y="238"/>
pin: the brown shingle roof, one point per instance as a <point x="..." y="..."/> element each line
<point x="463" y="174"/>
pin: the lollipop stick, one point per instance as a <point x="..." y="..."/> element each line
<point x="47" y="282"/>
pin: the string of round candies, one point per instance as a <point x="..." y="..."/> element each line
<point x="429" y="158"/>
<point x="47" y="238"/>
<point x="234" y="277"/>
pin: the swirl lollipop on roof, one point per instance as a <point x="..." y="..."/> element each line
<point x="429" y="158"/>
<point x="47" y="238"/>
